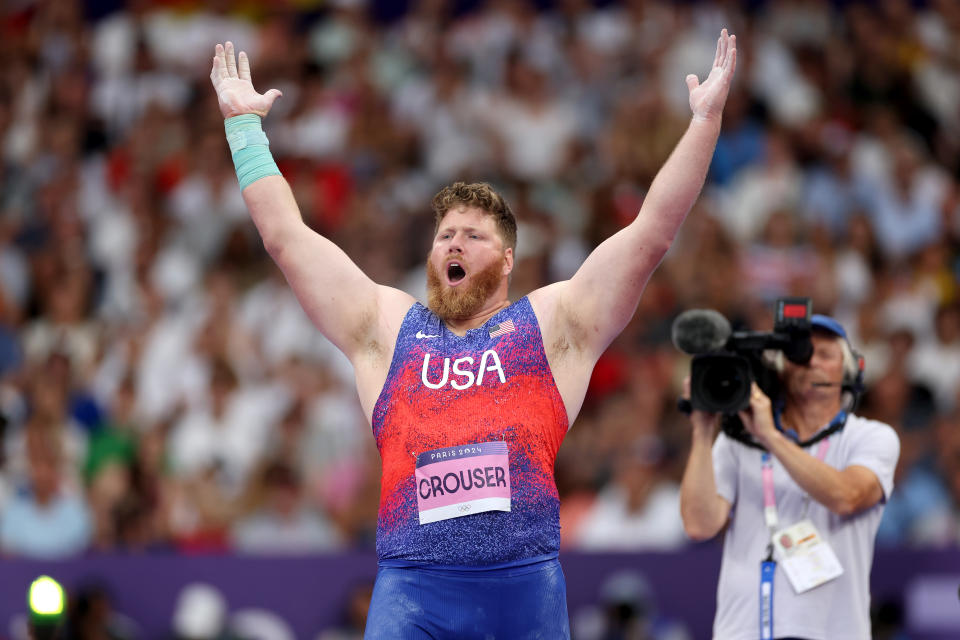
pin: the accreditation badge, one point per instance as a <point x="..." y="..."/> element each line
<point x="459" y="481"/>
<point x="807" y="559"/>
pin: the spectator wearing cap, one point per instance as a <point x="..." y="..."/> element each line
<point x="799" y="497"/>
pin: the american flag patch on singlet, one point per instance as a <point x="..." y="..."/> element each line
<point x="502" y="328"/>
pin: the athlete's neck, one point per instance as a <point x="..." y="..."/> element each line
<point x="460" y="327"/>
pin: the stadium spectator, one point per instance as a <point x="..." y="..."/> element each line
<point x="45" y="518"/>
<point x="282" y="523"/>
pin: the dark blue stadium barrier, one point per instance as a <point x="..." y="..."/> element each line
<point x="310" y="592"/>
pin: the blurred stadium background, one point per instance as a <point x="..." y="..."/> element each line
<point x="182" y="449"/>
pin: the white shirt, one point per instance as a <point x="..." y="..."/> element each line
<point x="937" y="365"/>
<point x="234" y="439"/>
<point x="536" y="140"/>
<point x="611" y="525"/>
<point x="836" y="610"/>
<point x="268" y="532"/>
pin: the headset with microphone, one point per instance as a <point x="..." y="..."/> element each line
<point x="854" y="386"/>
<point x="852" y="382"/>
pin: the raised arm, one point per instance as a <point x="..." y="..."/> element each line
<point x="351" y="310"/>
<point x="595" y="305"/>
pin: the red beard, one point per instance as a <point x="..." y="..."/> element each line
<point x="460" y="303"/>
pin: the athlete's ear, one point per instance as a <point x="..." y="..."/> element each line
<point x="507" y="261"/>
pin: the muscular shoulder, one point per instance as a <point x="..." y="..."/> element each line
<point x="564" y="333"/>
<point x="375" y="341"/>
<point x="378" y="327"/>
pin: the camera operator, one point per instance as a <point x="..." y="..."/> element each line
<point x="800" y="516"/>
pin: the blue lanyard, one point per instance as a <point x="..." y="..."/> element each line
<point x="767" y="570"/>
<point x="768" y="567"/>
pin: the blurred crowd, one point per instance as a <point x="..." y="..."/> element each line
<point x="160" y="387"/>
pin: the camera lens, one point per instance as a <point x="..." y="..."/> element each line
<point x="720" y="383"/>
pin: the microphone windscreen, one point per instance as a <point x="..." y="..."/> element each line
<point x="700" y="331"/>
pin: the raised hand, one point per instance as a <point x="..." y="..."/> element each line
<point x="707" y="99"/>
<point x="235" y="91"/>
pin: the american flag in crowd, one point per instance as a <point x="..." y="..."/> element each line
<point x="502" y="328"/>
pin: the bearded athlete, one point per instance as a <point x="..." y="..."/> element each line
<point x="470" y="396"/>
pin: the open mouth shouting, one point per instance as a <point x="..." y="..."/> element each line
<point x="455" y="272"/>
<point x="454" y="296"/>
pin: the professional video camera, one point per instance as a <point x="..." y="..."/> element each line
<point x="727" y="362"/>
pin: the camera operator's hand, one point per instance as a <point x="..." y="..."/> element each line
<point x="704" y="424"/>
<point x="758" y="419"/>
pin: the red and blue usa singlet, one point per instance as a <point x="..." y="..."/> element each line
<point x="468" y="429"/>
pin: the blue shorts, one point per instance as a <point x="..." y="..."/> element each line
<point x="505" y="602"/>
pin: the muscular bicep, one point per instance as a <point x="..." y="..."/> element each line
<point x="345" y="305"/>
<point x="337" y="296"/>
<point x="603" y="294"/>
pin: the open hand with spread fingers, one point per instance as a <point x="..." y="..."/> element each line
<point x="707" y="99"/>
<point x="235" y="91"/>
